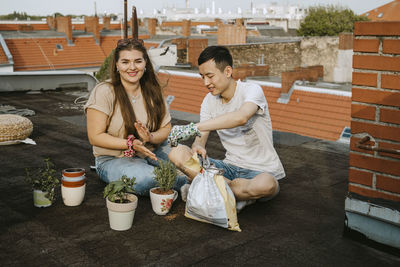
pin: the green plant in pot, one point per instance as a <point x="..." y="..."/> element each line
<point x="43" y="181"/>
<point x="163" y="196"/>
<point x="121" y="203"/>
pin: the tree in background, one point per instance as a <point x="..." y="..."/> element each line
<point x="20" y="16"/>
<point x="104" y="71"/>
<point x="328" y="21"/>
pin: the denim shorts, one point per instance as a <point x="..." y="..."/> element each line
<point x="232" y="172"/>
<point x="110" y="168"/>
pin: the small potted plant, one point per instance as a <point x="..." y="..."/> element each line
<point x="43" y="181"/>
<point x="121" y="203"/>
<point x="163" y="196"/>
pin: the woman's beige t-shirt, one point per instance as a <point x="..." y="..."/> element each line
<point x="102" y="99"/>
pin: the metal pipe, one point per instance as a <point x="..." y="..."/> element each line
<point x="360" y="144"/>
<point x="125" y="19"/>
<point x="135" y="25"/>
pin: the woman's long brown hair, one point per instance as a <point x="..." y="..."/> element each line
<point x="151" y="91"/>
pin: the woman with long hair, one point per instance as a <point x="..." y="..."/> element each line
<point x="128" y="120"/>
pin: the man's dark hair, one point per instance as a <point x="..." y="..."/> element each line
<point x="220" y="54"/>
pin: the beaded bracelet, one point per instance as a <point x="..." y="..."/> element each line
<point x="130" y="152"/>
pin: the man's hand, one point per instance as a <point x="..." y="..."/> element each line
<point x="199" y="150"/>
<point x="181" y="133"/>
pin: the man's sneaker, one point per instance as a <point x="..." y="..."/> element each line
<point x="243" y="203"/>
<point x="184" y="191"/>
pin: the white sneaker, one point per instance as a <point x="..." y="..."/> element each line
<point x="243" y="203"/>
<point x="184" y="191"/>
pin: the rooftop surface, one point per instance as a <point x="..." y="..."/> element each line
<point x="302" y="226"/>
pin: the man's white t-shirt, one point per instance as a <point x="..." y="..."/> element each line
<point x="249" y="146"/>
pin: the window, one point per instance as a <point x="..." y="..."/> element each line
<point x="59" y="46"/>
<point x="380" y="15"/>
<point x="345" y="135"/>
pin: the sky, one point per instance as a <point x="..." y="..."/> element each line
<point x="87" y="7"/>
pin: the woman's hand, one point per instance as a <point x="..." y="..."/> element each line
<point x="143" y="132"/>
<point x="139" y="147"/>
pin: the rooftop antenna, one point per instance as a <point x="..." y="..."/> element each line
<point x="95" y="9"/>
<point x="135" y="27"/>
<point x="125" y="19"/>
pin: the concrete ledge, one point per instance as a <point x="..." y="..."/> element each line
<point x="375" y="222"/>
<point x="45" y="80"/>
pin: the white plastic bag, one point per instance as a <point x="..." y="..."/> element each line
<point x="211" y="200"/>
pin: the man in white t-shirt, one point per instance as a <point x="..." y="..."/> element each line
<point x="238" y="111"/>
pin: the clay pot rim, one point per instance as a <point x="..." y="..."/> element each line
<point x="73" y="179"/>
<point x="123" y="207"/>
<point x="73" y="172"/>
<point x="73" y="184"/>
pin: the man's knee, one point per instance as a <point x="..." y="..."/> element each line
<point x="263" y="186"/>
<point x="270" y="188"/>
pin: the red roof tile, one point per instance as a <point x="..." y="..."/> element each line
<point x="3" y="57"/>
<point x="15" y="26"/>
<point x="388" y="12"/>
<point x="42" y="53"/>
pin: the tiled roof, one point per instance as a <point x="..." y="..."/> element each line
<point x="388" y="12"/>
<point x="15" y="26"/>
<point x="313" y="114"/>
<point x="42" y="53"/>
<point x="108" y="43"/>
<point x="3" y="57"/>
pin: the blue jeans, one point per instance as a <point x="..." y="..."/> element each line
<point x="232" y="172"/>
<point x="110" y="168"/>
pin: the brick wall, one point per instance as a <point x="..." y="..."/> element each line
<point x="92" y="25"/>
<point x="248" y="70"/>
<point x="376" y="110"/>
<point x="278" y="56"/>
<point x="64" y="25"/>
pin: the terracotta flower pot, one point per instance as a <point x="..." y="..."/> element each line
<point x="121" y="214"/>
<point x="162" y="204"/>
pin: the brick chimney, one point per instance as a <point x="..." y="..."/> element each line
<point x="372" y="204"/>
<point x="92" y="25"/>
<point x="106" y="23"/>
<point x="186" y="24"/>
<point x="64" y="25"/>
<point x="151" y="26"/>
<point x="239" y="21"/>
<point x="52" y="22"/>
<point x="194" y="48"/>
<point x="231" y="34"/>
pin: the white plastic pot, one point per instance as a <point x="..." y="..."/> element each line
<point x="162" y="204"/>
<point x="40" y="200"/>
<point x="73" y="196"/>
<point x="121" y="215"/>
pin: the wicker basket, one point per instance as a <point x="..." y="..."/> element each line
<point x="14" y="127"/>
